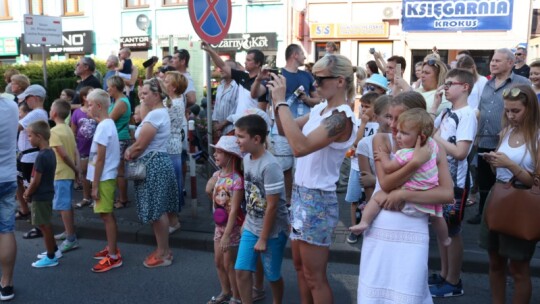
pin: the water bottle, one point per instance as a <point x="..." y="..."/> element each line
<point x="295" y="97"/>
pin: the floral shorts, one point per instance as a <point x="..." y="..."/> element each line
<point x="314" y="215"/>
<point x="234" y="237"/>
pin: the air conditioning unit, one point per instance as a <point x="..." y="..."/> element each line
<point x="392" y="12"/>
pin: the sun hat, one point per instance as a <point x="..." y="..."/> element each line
<point x="228" y="144"/>
<point x="378" y="80"/>
<point x="33" y="90"/>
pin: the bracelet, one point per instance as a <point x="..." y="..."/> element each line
<point x="281" y="103"/>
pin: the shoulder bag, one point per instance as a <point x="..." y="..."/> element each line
<point x="136" y="169"/>
<point x="514" y="210"/>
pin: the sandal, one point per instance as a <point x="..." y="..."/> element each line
<point x="22" y="216"/>
<point x="235" y="300"/>
<point x="120" y="205"/>
<point x="83" y="202"/>
<point x="257" y="294"/>
<point x="173" y="229"/>
<point x="34" y="233"/>
<point x="222" y="298"/>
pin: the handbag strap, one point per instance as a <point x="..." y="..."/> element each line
<point x="151" y="156"/>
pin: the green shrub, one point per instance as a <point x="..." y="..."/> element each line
<point x="60" y="75"/>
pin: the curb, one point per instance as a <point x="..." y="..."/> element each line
<point x="474" y="261"/>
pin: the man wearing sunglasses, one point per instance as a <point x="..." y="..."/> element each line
<point x="491" y="108"/>
<point x="520" y="66"/>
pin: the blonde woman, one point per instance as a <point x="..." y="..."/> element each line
<point x="157" y="194"/>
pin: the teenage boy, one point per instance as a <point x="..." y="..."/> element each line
<point x="41" y="191"/>
<point x="455" y="132"/>
<point x="103" y="163"/>
<point x="67" y="170"/>
<point x="266" y="224"/>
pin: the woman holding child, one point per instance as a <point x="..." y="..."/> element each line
<point x="319" y="141"/>
<point x="157" y="194"/>
<point x="393" y="266"/>
<point x="516" y="156"/>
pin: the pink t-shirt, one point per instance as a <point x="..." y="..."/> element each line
<point x="427" y="176"/>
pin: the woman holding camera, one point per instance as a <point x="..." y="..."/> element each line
<point x="516" y="156"/>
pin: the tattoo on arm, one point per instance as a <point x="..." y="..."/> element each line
<point x="335" y="124"/>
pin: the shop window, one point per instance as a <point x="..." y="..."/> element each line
<point x="136" y="3"/>
<point x="72" y="8"/>
<point x="320" y="49"/>
<point x="39" y="7"/>
<point x="4" y="10"/>
<point x="174" y="2"/>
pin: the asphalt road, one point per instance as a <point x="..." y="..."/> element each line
<point x="190" y="279"/>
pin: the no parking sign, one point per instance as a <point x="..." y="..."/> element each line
<point x="211" y="19"/>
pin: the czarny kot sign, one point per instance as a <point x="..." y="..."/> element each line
<point x="244" y="42"/>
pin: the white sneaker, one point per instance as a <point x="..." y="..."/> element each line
<point x="57" y="254"/>
<point x="61" y="236"/>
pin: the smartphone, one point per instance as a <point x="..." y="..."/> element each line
<point x="275" y="71"/>
<point x="397" y="74"/>
<point x="149" y="62"/>
<point x="372" y="50"/>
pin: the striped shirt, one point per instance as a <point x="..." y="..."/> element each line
<point x="226" y="101"/>
<point x="491" y="109"/>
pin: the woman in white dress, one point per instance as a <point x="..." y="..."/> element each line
<point x="393" y="265"/>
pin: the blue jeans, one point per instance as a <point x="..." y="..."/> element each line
<point x="8" y="206"/>
<point x="176" y="160"/>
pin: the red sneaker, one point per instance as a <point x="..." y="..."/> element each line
<point x="107" y="264"/>
<point x="104" y="253"/>
<point x="153" y="261"/>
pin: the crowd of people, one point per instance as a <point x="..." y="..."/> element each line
<point x="281" y="138"/>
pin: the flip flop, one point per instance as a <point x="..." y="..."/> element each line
<point x="34" y="233"/>
<point x="121" y="205"/>
<point x="22" y="216"/>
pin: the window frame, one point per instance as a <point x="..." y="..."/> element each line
<point x="6" y="8"/>
<point x="40" y="2"/>
<point x="164" y="3"/>
<point x="76" y="12"/>
<point x="127" y="6"/>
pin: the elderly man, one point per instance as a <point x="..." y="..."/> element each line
<point x="85" y="69"/>
<point x="520" y="66"/>
<point x="8" y="187"/>
<point x="491" y="108"/>
<point x="111" y="64"/>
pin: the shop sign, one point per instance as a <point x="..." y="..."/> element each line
<point x="8" y="46"/>
<point x="244" y="42"/>
<point x="72" y="42"/>
<point x="463" y="15"/>
<point x="136" y="42"/>
<point x="349" y="30"/>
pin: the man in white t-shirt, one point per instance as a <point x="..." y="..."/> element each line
<point x="34" y="96"/>
<point x="456" y="130"/>
<point x="103" y="164"/>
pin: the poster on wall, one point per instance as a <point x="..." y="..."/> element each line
<point x="451" y="15"/>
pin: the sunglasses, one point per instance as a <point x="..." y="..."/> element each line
<point x="513" y="93"/>
<point x="432" y="62"/>
<point x="448" y="84"/>
<point x="518" y="54"/>
<point x="370" y="88"/>
<point x="319" y="79"/>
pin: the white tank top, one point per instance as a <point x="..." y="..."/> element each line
<point x="520" y="155"/>
<point x="320" y="169"/>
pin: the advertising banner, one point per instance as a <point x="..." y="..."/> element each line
<point x="72" y="42"/>
<point x="462" y="15"/>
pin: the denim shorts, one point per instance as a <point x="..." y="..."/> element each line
<point x="314" y="215"/>
<point x="63" y="191"/>
<point x="354" y="188"/>
<point x="8" y="206"/>
<point x="271" y="258"/>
